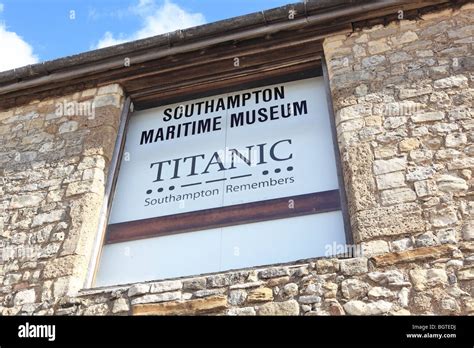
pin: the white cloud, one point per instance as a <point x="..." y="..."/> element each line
<point x="15" y="52"/>
<point x="155" y="20"/>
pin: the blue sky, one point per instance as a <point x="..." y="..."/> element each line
<point x="32" y="31"/>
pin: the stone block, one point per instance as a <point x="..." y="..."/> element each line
<point x="428" y="116"/>
<point x="138" y="289"/>
<point x="408" y="144"/>
<point x="390" y="180"/>
<point x="423" y="279"/>
<point x="390" y="165"/>
<point x="397" y="196"/>
<point x="468" y="230"/>
<point x="120" y="306"/>
<point x="418" y="254"/>
<point x="444" y="217"/>
<point x="451" y="183"/>
<point x="63" y="266"/>
<point x="354" y="266"/>
<point x="273" y="273"/>
<point x="459" y="81"/>
<point x="388" y="221"/>
<point x="354" y="289"/>
<point x="24" y="297"/>
<point x="52" y="216"/>
<point x="374" y="247"/>
<point x="466" y="274"/>
<point x="245" y="311"/>
<point x="260" y="295"/>
<point x="28" y="200"/>
<point x="166" y="286"/>
<point x="425" y="188"/>
<point x="357" y="307"/>
<point x="153" y="298"/>
<point x="290" y="307"/>
<point x="190" y="307"/>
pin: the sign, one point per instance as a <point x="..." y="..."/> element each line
<point x="247" y="146"/>
<point x="240" y="173"/>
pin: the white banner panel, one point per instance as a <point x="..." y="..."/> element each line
<point x="221" y="249"/>
<point x="234" y="148"/>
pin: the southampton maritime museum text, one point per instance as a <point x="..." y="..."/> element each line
<point x="237" y="118"/>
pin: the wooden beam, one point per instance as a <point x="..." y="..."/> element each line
<point x="226" y="216"/>
<point x="250" y="78"/>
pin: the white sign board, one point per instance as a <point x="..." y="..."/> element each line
<point x="225" y="150"/>
<point x="229" y="149"/>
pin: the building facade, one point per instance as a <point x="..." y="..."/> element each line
<point x="399" y="78"/>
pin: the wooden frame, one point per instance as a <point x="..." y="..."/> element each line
<point x="225" y="216"/>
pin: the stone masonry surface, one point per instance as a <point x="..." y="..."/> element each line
<point x="54" y="156"/>
<point x="403" y="101"/>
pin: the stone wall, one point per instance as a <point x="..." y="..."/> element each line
<point x="53" y="160"/>
<point x="403" y="97"/>
<point x="430" y="280"/>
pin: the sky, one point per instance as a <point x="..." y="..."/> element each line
<point x="33" y="31"/>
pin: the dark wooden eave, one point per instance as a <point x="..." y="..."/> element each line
<point x="202" y="58"/>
